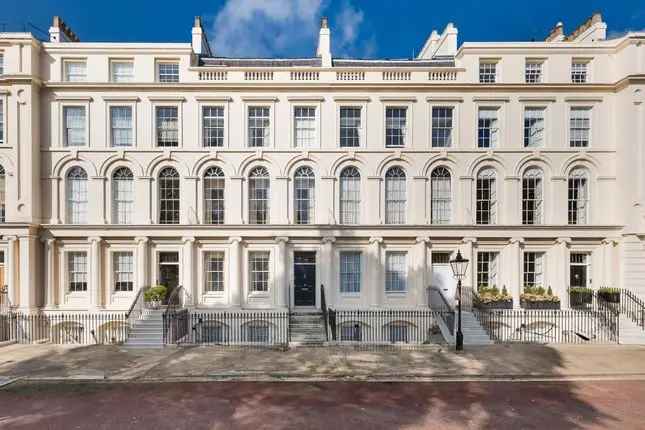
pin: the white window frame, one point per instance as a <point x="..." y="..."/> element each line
<point x="362" y="273"/>
<point x="586" y="175"/>
<point x="62" y="123"/>
<point x="570" y="109"/>
<point x="498" y="109"/>
<point x="456" y="115"/>
<point x="587" y="61"/>
<point x="406" y="183"/>
<point x="588" y="264"/>
<point x="212" y="297"/>
<point x="206" y="101"/>
<point x="261" y="103"/>
<point x="388" y="251"/>
<point x="545" y="120"/>
<point x="312" y="200"/>
<point x="541" y="209"/>
<point x="70" y="60"/>
<point x="436" y="200"/>
<point x="108" y="115"/>
<point x="159" y="61"/>
<point x="495" y="263"/>
<point x="202" y="194"/>
<point x="205" y="254"/>
<point x="541" y="256"/>
<point x="484" y="60"/>
<point x="361" y="191"/>
<point x="407" y="135"/>
<point x="113" y="77"/>
<point x="67" y="274"/>
<point x="247" y="195"/>
<point x="112" y="273"/>
<point x="112" y="190"/>
<point x="67" y="190"/>
<point x="157" y="193"/>
<point x="362" y="132"/>
<point x="177" y="105"/>
<point x="542" y="63"/>
<point x="494" y="203"/>
<point x="317" y="105"/>
<point x="247" y="270"/>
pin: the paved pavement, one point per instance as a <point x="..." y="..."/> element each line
<point x="325" y="405"/>
<point x="112" y="363"/>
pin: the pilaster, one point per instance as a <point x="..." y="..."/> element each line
<point x="189" y="271"/>
<point x="235" y="275"/>
<point x="375" y="269"/>
<point x="280" y="296"/>
<point x="95" y="271"/>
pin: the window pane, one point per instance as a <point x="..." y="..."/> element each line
<point x="395" y="127"/>
<point x="123" y="196"/>
<point x="350" y="127"/>
<point x="168" y="196"/>
<point x="303" y="189"/>
<point x="395" y="196"/>
<point x="77" y="271"/>
<point x="75" y="71"/>
<point x="259" y="187"/>
<point x="487" y="72"/>
<point x="305" y="127"/>
<point x="533" y="72"/>
<point x="487" y="269"/>
<point x="123" y="271"/>
<point x="533" y="127"/>
<point x="350" y="196"/>
<point x="259" y="271"/>
<point x="74" y="125"/>
<point x="579" y="127"/>
<point x="214" y="196"/>
<point x="168" y="72"/>
<point x="442" y="127"/>
<point x="213" y="126"/>
<point x="533" y="269"/>
<point x="259" y="126"/>
<point x="167" y="126"/>
<point x="77" y="196"/>
<point x="122" y="71"/>
<point x="486" y="197"/>
<point x="532" y="197"/>
<point x="121" y="125"/>
<point x="440" y="194"/>
<point x="578" y="197"/>
<point x="488" y="128"/>
<point x="214" y="266"/>
<point x="579" y="72"/>
<point x="396" y="271"/>
<point x="350" y="272"/>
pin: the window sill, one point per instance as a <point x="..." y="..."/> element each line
<point x="350" y="295"/>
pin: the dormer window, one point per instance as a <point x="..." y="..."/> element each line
<point x="487" y="72"/>
<point x="533" y="72"/>
<point x="75" y="70"/>
<point x="579" y="71"/>
<point x="122" y="71"/>
<point x="167" y="72"/>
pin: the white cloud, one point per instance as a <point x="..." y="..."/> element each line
<point x="286" y="28"/>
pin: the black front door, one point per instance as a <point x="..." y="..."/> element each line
<point x="304" y="275"/>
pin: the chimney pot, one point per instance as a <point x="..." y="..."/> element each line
<point x="324" y="22"/>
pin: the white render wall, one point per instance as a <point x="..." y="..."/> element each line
<point x="37" y="235"/>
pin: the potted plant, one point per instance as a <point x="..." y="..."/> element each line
<point x="154" y="296"/>
<point x="610" y="295"/>
<point x="536" y="297"/>
<point x="492" y="298"/>
<point x="580" y="296"/>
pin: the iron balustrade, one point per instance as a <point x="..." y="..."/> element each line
<point x="389" y="326"/>
<point x="136" y="308"/>
<point x="439" y="303"/>
<point x="65" y="328"/>
<point x="633" y="307"/>
<point x="323" y="306"/>
<point x="257" y="328"/>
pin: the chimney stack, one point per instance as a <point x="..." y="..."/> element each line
<point x="324" y="43"/>
<point x="591" y="30"/>
<point x="556" y="34"/>
<point x="60" y="32"/>
<point x="199" y="41"/>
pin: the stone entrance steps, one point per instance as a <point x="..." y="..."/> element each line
<point x="306" y="328"/>
<point x="630" y="333"/>
<point x="474" y="333"/>
<point x="147" y="332"/>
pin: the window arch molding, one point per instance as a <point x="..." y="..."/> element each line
<point x="303" y="189"/>
<point x="168" y="195"/>
<point x="350" y="191"/>
<point x="395" y="195"/>
<point x="440" y="194"/>
<point x="76" y="195"/>
<point x="487" y="189"/>
<point x="121" y="195"/>
<point x="212" y="195"/>
<point x="533" y="189"/>
<point x="257" y="203"/>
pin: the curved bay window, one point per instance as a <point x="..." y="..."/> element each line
<point x="122" y="196"/>
<point x="578" y="197"/>
<point x="350" y="196"/>
<point x="486" y="198"/>
<point x="532" y="198"/>
<point x="395" y="196"/>
<point x="214" y="196"/>
<point x="77" y="196"/>
<point x="304" y="184"/>
<point x="259" y="189"/>
<point x="440" y="196"/>
<point x="168" y="196"/>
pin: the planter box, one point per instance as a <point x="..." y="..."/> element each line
<point x="537" y="304"/>
<point x="610" y="297"/>
<point x="579" y="298"/>
<point x="496" y="304"/>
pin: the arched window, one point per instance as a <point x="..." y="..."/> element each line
<point x="214" y="196"/>
<point x="259" y="189"/>
<point x="395" y="196"/>
<point x="486" y="197"/>
<point x="440" y="196"/>
<point x="77" y="196"/>
<point x="304" y="185"/>
<point x="168" y="196"/>
<point x="350" y="196"/>
<point x="122" y="196"/>
<point x="578" y="196"/>
<point x="3" y="185"/>
<point x="532" y="198"/>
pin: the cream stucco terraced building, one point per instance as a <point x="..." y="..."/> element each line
<point x="251" y="182"/>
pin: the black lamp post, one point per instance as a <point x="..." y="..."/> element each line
<point x="459" y="266"/>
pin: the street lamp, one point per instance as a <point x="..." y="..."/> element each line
<point x="459" y="266"/>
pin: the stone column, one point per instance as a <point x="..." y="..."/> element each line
<point x="561" y="275"/>
<point x="142" y="262"/>
<point x="50" y="272"/>
<point x="12" y="264"/>
<point x="235" y="275"/>
<point x="327" y="270"/>
<point x="375" y="268"/>
<point x="95" y="271"/>
<point x="515" y="257"/>
<point x="608" y="248"/>
<point x="469" y="253"/>
<point x="28" y="270"/>
<point x="188" y="271"/>
<point x="420" y="298"/>
<point x="281" y="292"/>
<point x="55" y="196"/>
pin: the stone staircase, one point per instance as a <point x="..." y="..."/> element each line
<point x="474" y="333"/>
<point x="147" y="332"/>
<point x="630" y="333"/>
<point x="306" y="328"/>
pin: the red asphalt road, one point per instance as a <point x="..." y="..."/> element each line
<point x="329" y="405"/>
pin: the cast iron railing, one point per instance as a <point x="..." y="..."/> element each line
<point x="136" y="308"/>
<point x="258" y="328"/>
<point x="5" y="304"/>
<point x="439" y="303"/>
<point x="633" y="307"/>
<point x="383" y="326"/>
<point x="64" y="328"/>
<point x="323" y="306"/>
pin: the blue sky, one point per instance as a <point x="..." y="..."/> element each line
<point x="360" y="28"/>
